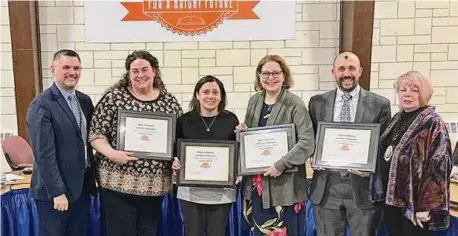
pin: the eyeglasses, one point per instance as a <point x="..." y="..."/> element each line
<point x="275" y="74"/>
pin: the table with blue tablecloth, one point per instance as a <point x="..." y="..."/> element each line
<point x="19" y="217"/>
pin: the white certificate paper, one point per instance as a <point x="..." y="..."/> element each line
<point x="207" y="163"/>
<point x="145" y="135"/>
<point x="346" y="146"/>
<point x="263" y="150"/>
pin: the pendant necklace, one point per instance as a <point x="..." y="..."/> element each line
<point x="269" y="109"/>
<point x="399" y="129"/>
<point x="389" y="151"/>
<point x="205" y="123"/>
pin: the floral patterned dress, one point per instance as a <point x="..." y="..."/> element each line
<point x="143" y="177"/>
<point x="277" y="220"/>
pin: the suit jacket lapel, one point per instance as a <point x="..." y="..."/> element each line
<point x="257" y="111"/>
<point x="64" y="105"/>
<point x="83" y="108"/>
<point x="362" y="103"/>
<point x="329" y="106"/>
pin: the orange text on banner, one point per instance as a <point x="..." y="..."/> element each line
<point x="190" y="17"/>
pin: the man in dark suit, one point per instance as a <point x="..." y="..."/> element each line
<point x="62" y="178"/>
<point x="342" y="197"/>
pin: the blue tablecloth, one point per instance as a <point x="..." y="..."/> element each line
<point x="19" y="217"/>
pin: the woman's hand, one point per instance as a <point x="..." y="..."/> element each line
<point x="421" y="217"/>
<point x="272" y="171"/>
<point x="121" y="157"/>
<point x="176" y="164"/>
<point x="241" y="128"/>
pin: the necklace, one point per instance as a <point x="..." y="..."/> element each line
<point x="269" y="109"/>
<point x="398" y="130"/>
<point x="205" y="123"/>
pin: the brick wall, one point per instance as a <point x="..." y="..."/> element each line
<point x="8" y="108"/>
<point x="7" y="104"/>
<point x="420" y="35"/>
<point x="310" y="55"/>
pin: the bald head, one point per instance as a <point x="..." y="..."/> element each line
<point x="347" y="70"/>
<point x="347" y="56"/>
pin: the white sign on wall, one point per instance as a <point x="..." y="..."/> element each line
<point x="188" y="20"/>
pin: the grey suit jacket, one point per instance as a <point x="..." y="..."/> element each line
<point x="289" y="187"/>
<point x="372" y="108"/>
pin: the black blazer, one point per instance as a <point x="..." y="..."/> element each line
<point x="58" y="147"/>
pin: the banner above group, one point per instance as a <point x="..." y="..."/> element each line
<point x="189" y="20"/>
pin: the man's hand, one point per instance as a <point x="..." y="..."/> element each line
<point x="314" y="167"/>
<point x="421" y="217"/>
<point x="360" y="173"/>
<point x="61" y="203"/>
<point x="271" y="171"/>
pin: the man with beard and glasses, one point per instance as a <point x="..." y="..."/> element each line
<point x="342" y="197"/>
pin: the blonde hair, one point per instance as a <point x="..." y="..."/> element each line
<point x="288" y="83"/>
<point x="417" y="79"/>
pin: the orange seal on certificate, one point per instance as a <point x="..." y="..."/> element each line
<point x="345" y="148"/>
<point x="205" y="165"/>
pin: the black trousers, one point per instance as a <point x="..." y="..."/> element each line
<point x="398" y="225"/>
<point x="340" y="207"/>
<point x="130" y="215"/>
<point x="205" y="220"/>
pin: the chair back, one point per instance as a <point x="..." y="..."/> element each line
<point x="18" y="152"/>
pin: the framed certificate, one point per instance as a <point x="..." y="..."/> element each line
<point x="149" y="135"/>
<point x="261" y="147"/>
<point x="346" y="146"/>
<point x="207" y="163"/>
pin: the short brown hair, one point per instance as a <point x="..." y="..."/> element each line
<point x="288" y="83"/>
<point x="422" y="82"/>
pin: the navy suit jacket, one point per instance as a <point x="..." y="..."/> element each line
<point x="58" y="147"/>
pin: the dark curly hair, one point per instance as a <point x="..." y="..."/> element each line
<point x="124" y="82"/>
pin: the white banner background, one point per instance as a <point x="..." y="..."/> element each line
<point x="103" y="24"/>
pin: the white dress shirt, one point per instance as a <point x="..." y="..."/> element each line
<point x="353" y="103"/>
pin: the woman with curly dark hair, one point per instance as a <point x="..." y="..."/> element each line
<point x="132" y="188"/>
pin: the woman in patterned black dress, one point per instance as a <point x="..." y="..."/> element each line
<point x="132" y="189"/>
